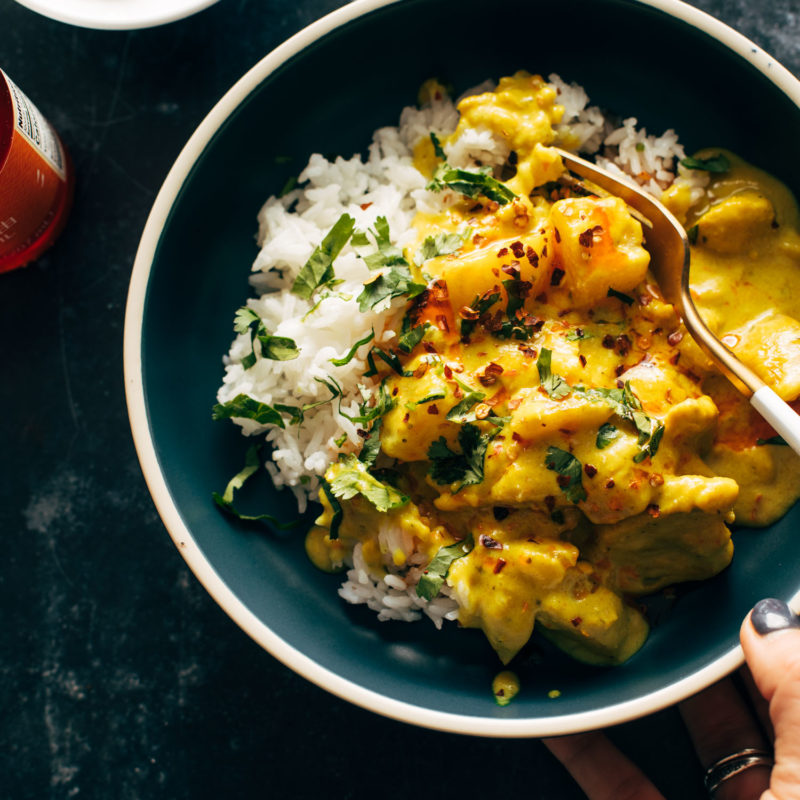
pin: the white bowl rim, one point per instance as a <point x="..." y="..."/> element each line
<point x="203" y="570"/>
<point x="117" y="14"/>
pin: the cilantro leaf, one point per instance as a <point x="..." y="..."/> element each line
<point x="555" y="386"/>
<point x="464" y="468"/>
<point x="388" y="254"/>
<point x="248" y="408"/>
<point x="225" y="500"/>
<point x="605" y="435"/>
<point x="349" y="477"/>
<point x="276" y="348"/>
<point x="437" y="146"/>
<point x="394" y="283"/>
<point x="434" y="575"/>
<point x="411" y="337"/>
<point x="460" y="412"/>
<point x="298" y="413"/>
<point x="318" y="270"/>
<point x="772" y="440"/>
<point x="569" y="470"/>
<point x="338" y="514"/>
<point x="717" y="163"/>
<point x="348" y="357"/>
<point x="372" y="445"/>
<point x="470" y="184"/>
<point x="443" y="244"/>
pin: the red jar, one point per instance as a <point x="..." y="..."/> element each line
<point x="36" y="179"/>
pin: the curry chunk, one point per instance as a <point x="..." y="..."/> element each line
<point x="733" y="225"/>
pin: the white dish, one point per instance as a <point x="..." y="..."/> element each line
<point x="116" y="14"/>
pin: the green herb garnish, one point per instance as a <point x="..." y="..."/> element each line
<point x="388" y="254"/>
<point x="464" y="468"/>
<point x="336" y="506"/>
<point x="570" y="470"/>
<point x="276" y="348"/>
<point x="318" y="270"/>
<point x="248" y="408"/>
<point x="606" y="435"/>
<point x="470" y="184"/>
<point x="437" y="146"/>
<point x="773" y="440"/>
<point x="718" y="163"/>
<point x="394" y="283"/>
<point x="372" y="445"/>
<point x="555" y="386"/>
<point x="348" y="357"/>
<point x="443" y="244"/>
<point x="411" y="337"/>
<point x="691" y="234"/>
<point x="351" y="478"/>
<point x="435" y="573"/>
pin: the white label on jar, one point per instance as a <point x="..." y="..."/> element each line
<point x="36" y="129"/>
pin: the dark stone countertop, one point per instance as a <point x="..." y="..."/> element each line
<point x="120" y="676"/>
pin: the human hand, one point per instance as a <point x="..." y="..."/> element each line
<point x="721" y="724"/>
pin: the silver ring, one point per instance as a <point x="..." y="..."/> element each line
<point x="729" y="766"/>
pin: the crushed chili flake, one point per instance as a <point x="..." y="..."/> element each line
<point x="365" y="206"/>
<point x="511" y="269"/>
<point x="555" y="278"/>
<point x="395" y="391"/>
<point x="518" y="249"/>
<point x="590" y="470"/>
<point x="582" y="359"/>
<point x="675" y="338"/>
<point x="467" y="312"/>
<point x="487" y="380"/>
<point x="421" y="369"/>
<point x="527" y="351"/>
<point x="622" y="345"/>
<point x="493" y="368"/>
<point x="653" y="510"/>
<point x="503" y="251"/>
<point x="439" y="290"/>
<point x="557" y="235"/>
<point x="675" y="359"/>
<point x="501" y="562"/>
<point x="362" y="433"/>
<point x="487" y="541"/>
<point x="619" y="369"/>
<point x="544" y="251"/>
<point x="620" y="384"/>
<point x="441" y="323"/>
<point x="563" y="481"/>
<point x="608" y="341"/>
<point x="406" y="417"/>
<point x="532" y="257"/>
<point x="550" y="501"/>
<point x="656" y="479"/>
<point x="448" y="372"/>
<point x="541" y="297"/>
<point x="586" y="239"/>
<point x="576" y="621"/>
<point x="492" y="206"/>
<point x="477" y="239"/>
<point x="433" y="408"/>
<point x="610" y="483"/>
<point x="429" y="347"/>
<point x="516" y="437"/>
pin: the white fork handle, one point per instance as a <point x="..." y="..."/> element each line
<point x="775" y="411"/>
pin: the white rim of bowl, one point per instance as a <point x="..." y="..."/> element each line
<point x="205" y="573"/>
<point x="118" y="14"/>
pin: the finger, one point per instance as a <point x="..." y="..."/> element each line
<point x="758" y="705"/>
<point x="601" y="770"/>
<point x="719" y="724"/>
<point x="771" y="641"/>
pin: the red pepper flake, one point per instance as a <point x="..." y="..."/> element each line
<point x="550" y="502"/>
<point x="501" y="562"/>
<point x="365" y="206"/>
<point x="653" y="510"/>
<point x="544" y="252"/>
<point x="511" y="269"/>
<point x="620" y="384"/>
<point x="362" y="433"/>
<point x="555" y="278"/>
<point x="502" y="252"/>
<point x="610" y="483"/>
<point x="656" y="479"/>
<point x="493" y="369"/>
<point x="675" y="359"/>
<point x="516" y="437"/>
<point x="429" y="347"/>
<point x="405" y="418"/>
<point x="576" y="621"/>
<point x="586" y="239"/>
<point x="608" y="341"/>
<point x="582" y="359"/>
<point x="487" y="380"/>
<point x="518" y="249"/>
<point x="532" y="257"/>
<point x="675" y="338"/>
<point x="566" y="431"/>
<point x="439" y="290"/>
<point x="563" y="481"/>
<point x="433" y="408"/>
<point x="487" y="541"/>
<point x="441" y="323"/>
<point x="421" y="369"/>
<point x="492" y="206"/>
<point x="477" y="240"/>
<point x="476" y="208"/>
<point x="495" y="272"/>
<point x="528" y="352"/>
<point x="558" y="235"/>
<point x="467" y="312"/>
<point x="645" y="299"/>
<point x="619" y="369"/>
<point x="622" y="345"/>
<point x="395" y="391"/>
<point x="590" y="470"/>
<point x="448" y="372"/>
<point x="536" y="323"/>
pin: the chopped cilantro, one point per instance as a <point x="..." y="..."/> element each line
<point x="435" y="573"/>
<point x="627" y="299"/>
<point x="570" y="469"/>
<point x="411" y="337"/>
<point x="443" y="244"/>
<point x="350" y="478"/>
<point x="607" y="434"/>
<point x="437" y="146"/>
<point x="372" y="445"/>
<point x="388" y="254"/>
<point x="464" y="468"/>
<point x="394" y="283"/>
<point x="773" y="440"/>
<point x="555" y="386"/>
<point x="348" y="357"/>
<point x="336" y="506"/>
<point x="460" y="412"/>
<point x="297" y="414"/>
<point x="276" y="348"/>
<point x="248" y="408"/>
<point x="225" y="500"/>
<point x="470" y="184"/>
<point x="318" y="270"/>
<point x="717" y="163"/>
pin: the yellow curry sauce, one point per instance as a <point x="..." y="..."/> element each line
<point x="549" y="316"/>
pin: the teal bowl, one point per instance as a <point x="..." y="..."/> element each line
<point x="325" y="90"/>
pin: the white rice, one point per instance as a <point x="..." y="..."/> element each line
<point x="384" y="184"/>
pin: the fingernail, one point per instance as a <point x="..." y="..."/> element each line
<point x="773" y="615"/>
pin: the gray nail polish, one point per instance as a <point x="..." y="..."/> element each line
<point x="773" y="615"/>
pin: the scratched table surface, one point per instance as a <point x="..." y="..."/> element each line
<point x="119" y="676"/>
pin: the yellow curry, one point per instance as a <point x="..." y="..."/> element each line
<point x="562" y="443"/>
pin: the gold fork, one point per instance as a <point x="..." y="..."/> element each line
<point x="669" y="260"/>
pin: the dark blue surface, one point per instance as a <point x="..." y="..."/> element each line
<point x="121" y="678"/>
